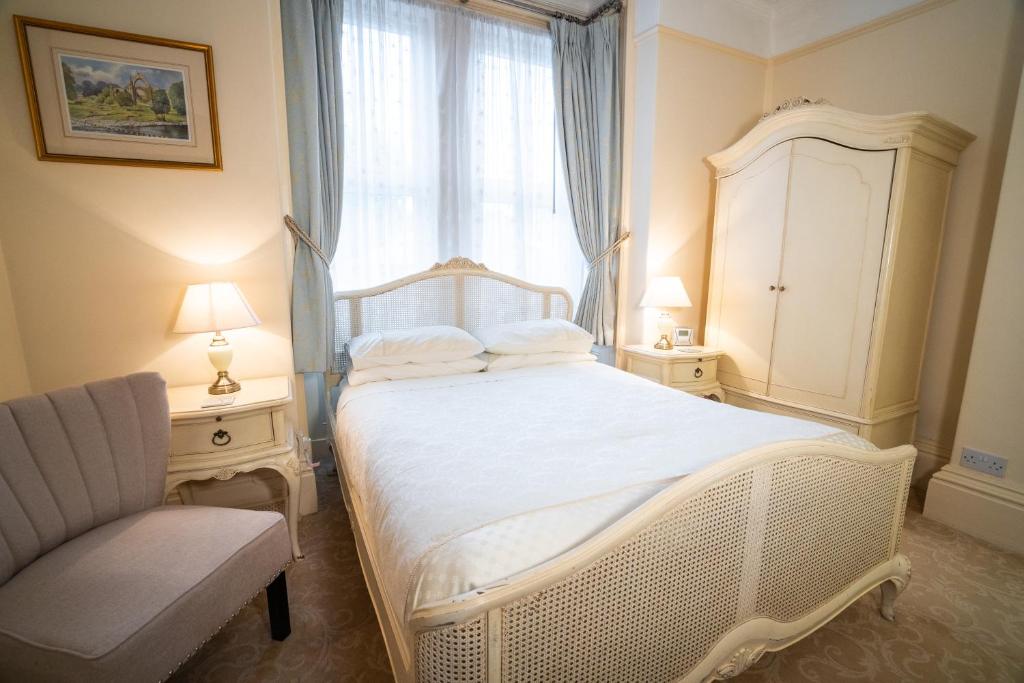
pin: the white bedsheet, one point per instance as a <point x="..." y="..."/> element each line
<point x="468" y="479"/>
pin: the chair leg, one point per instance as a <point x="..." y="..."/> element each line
<point x="277" y="606"/>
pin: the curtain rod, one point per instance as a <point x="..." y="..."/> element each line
<point x="607" y="8"/>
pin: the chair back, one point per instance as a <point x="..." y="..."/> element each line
<point x="77" y="458"/>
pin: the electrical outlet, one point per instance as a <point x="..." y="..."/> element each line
<point x="983" y="462"/>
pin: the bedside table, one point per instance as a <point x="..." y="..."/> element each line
<point x="249" y="434"/>
<point x="694" y="371"/>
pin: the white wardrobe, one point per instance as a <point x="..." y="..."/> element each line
<point x="827" y="232"/>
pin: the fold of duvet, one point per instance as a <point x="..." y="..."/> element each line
<point x="466" y="480"/>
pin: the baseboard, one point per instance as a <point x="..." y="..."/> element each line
<point x="932" y="456"/>
<point x="982" y="507"/>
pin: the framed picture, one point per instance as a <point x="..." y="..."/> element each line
<point x="107" y="97"/>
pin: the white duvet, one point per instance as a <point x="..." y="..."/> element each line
<point x="465" y="480"/>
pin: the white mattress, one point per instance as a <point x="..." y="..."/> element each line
<point x="466" y="480"/>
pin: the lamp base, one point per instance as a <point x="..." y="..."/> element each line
<point x="220" y="353"/>
<point x="664" y="344"/>
<point x="224" y="384"/>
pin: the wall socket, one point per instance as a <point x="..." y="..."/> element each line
<point x="983" y="462"/>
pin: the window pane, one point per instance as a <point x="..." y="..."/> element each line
<point x="450" y="148"/>
<point x="389" y="205"/>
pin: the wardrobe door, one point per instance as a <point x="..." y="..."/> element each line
<point x="750" y="215"/>
<point x="832" y="253"/>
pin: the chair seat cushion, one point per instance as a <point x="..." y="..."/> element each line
<point x="132" y="599"/>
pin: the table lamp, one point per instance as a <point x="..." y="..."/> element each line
<point x="665" y="292"/>
<point x="216" y="307"/>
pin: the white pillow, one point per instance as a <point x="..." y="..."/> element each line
<point x="433" y="344"/>
<point x="496" y="362"/>
<point x="536" y="336"/>
<point x="383" y="373"/>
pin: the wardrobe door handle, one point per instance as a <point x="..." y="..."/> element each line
<point x="782" y="288"/>
<point x="771" y="288"/>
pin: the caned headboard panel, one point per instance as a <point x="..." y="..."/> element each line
<point x="460" y="292"/>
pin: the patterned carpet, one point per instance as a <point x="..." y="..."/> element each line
<point x="961" y="619"/>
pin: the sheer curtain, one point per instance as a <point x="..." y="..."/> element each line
<point x="450" y="147"/>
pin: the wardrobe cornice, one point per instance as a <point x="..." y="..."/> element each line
<point x="919" y="130"/>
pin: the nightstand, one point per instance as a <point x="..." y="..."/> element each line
<point x="250" y="433"/>
<point x="694" y="370"/>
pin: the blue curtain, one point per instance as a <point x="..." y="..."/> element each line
<point x="588" y="97"/>
<point x="312" y="38"/>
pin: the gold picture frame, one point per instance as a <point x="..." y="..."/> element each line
<point x="158" y="108"/>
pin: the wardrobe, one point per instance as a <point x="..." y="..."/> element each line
<point x="827" y="233"/>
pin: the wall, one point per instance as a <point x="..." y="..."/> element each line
<point x="689" y="99"/>
<point x="960" y="61"/>
<point x="98" y="256"/>
<point x="990" y="415"/>
<point x="13" y="373"/>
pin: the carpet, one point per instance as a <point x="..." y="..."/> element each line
<point x="960" y="619"/>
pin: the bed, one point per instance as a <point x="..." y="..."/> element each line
<point x="574" y="522"/>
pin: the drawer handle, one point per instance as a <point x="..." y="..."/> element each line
<point x="697" y="372"/>
<point x="221" y="438"/>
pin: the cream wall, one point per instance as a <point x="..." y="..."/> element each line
<point x="98" y="256"/>
<point x="961" y="61"/>
<point x="690" y="100"/>
<point x="13" y="373"/>
<point x="990" y="416"/>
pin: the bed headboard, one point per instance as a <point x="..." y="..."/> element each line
<point x="460" y="292"/>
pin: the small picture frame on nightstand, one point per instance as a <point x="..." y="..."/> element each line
<point x="682" y="336"/>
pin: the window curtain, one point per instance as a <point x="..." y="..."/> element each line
<point x="588" y="95"/>
<point x="311" y="33"/>
<point x="451" y="147"/>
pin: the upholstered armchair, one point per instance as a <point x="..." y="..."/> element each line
<point x="99" y="581"/>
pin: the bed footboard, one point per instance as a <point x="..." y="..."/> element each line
<point x="741" y="558"/>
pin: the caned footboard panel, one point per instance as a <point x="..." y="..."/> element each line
<point x="827" y="523"/>
<point x="645" y="612"/>
<point x="787" y="540"/>
<point x="456" y="654"/>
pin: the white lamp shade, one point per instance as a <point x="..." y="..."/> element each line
<point x="214" y="307"/>
<point x="666" y="292"/>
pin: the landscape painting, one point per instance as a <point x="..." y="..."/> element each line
<point x="101" y="96"/>
<point x="112" y="97"/>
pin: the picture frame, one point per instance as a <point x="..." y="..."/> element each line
<point x="99" y="96"/>
<point x="682" y="336"/>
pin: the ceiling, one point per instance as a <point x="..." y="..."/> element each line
<point x="582" y="8"/>
<point x="766" y="28"/>
<point x="763" y="27"/>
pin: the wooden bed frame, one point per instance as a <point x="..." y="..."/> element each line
<point x="741" y="558"/>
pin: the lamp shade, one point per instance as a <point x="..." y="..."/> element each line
<point x="214" y="307"/>
<point x="665" y="292"/>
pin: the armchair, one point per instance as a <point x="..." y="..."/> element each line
<point x="99" y="581"/>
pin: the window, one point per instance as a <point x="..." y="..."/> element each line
<point x="450" y="147"/>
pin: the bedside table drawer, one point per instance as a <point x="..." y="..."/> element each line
<point x="228" y="434"/>
<point x="694" y="372"/>
<point x="644" y="368"/>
